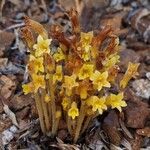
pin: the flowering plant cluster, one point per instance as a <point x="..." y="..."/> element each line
<point x="71" y="81"/>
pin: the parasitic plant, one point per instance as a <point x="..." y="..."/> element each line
<point x="71" y="81"/>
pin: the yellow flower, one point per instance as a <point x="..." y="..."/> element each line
<point x="65" y="103"/>
<point x="69" y="83"/>
<point x="131" y="72"/>
<point x="42" y="46"/>
<point x="100" y="80"/>
<point x="86" y="38"/>
<point x="84" y="52"/>
<point x="58" y="75"/>
<point x="85" y="71"/>
<point x="36" y="64"/>
<point x="83" y="93"/>
<point x="111" y="61"/>
<point x="97" y="103"/>
<point x="85" y="55"/>
<point x="28" y="88"/>
<point x="59" y="55"/>
<point x="31" y="57"/>
<point x="73" y="111"/>
<point x="47" y="98"/>
<point x="38" y="81"/>
<point x="116" y="101"/>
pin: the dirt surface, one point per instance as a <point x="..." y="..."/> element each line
<point x="19" y="124"/>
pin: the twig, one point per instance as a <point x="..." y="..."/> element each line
<point x="2" y="3"/>
<point x="79" y="6"/>
<point x="15" y="26"/>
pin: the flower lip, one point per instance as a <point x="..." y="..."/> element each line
<point x="85" y="71"/>
<point x="73" y="111"/>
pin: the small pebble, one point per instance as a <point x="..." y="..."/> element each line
<point x="142" y="88"/>
<point x="8" y="134"/>
<point x="148" y="75"/>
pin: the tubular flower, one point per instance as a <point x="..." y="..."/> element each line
<point x="73" y="111"/>
<point x="100" y="80"/>
<point x="116" y="101"/>
<point x="58" y="75"/>
<point x="42" y="46"/>
<point x="65" y="103"/>
<point x="85" y="71"/>
<point x="131" y="72"/>
<point x="85" y="55"/>
<point x="36" y="64"/>
<point x="58" y="56"/>
<point x="85" y="52"/>
<point x="83" y="92"/>
<point x="47" y="98"/>
<point x="28" y="88"/>
<point x="69" y="83"/>
<point x="111" y="61"/>
<point x="86" y="38"/>
<point x="97" y="103"/>
<point x="38" y="81"/>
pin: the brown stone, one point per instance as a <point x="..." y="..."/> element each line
<point x="6" y="39"/>
<point x="140" y="22"/>
<point x="5" y="123"/>
<point x="136" y="114"/>
<point x="144" y="132"/>
<point x="23" y="113"/>
<point x="2" y="51"/>
<point x="62" y="134"/>
<point x="3" y="62"/>
<point x="19" y="102"/>
<point x="8" y="86"/>
<point x="136" y="142"/>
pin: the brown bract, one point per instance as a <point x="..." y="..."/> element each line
<point x="28" y="37"/>
<point x="37" y="27"/>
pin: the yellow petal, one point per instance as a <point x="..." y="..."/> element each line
<point x="47" y="98"/>
<point x="73" y="111"/>
<point x="131" y="72"/>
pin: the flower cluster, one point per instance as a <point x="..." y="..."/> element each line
<point x="73" y="80"/>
